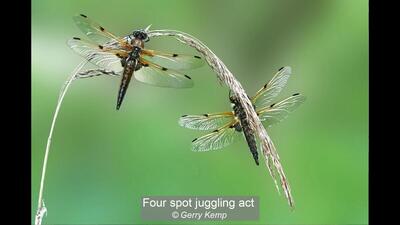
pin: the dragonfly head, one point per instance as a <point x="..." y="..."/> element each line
<point x="232" y="97"/>
<point x="141" y="35"/>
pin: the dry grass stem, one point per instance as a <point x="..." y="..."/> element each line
<point x="41" y="211"/>
<point x="224" y="75"/>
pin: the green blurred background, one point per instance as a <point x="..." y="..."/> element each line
<point x="103" y="161"/>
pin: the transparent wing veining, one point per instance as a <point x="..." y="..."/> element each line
<point x="172" y="60"/>
<point x="269" y="91"/>
<point x="277" y="112"/>
<point x="217" y="139"/>
<point x="205" y="121"/>
<point x="96" y="32"/>
<point x="97" y="72"/>
<point x="162" y="77"/>
<point x="97" y="54"/>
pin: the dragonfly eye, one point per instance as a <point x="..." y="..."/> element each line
<point x="139" y="34"/>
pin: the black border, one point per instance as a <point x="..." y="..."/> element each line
<point x="382" y="130"/>
<point x="16" y="111"/>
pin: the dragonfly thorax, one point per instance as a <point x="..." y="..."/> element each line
<point x="238" y="127"/>
<point x="135" y="53"/>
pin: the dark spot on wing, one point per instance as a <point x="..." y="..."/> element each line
<point x="295" y="94"/>
<point x="184" y="116"/>
<point x="83" y="16"/>
<point x="197" y="57"/>
<point x="188" y="77"/>
<point x="281" y="68"/>
<point x="265" y="85"/>
<point x="146" y="65"/>
<point x="118" y="55"/>
<point x="174" y="55"/>
<point x="164" y="69"/>
<point x="272" y="105"/>
<point x="76" y="38"/>
<point x="101" y="28"/>
<point x="215" y="131"/>
<point x="194" y="140"/>
<point x="100" y="46"/>
<point x="206" y="115"/>
<point x="232" y="126"/>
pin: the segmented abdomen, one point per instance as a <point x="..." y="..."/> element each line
<point x="247" y="131"/>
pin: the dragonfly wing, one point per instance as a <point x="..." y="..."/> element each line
<point x="97" y="54"/>
<point x="97" y="33"/>
<point x="205" y="121"/>
<point x="156" y="75"/>
<point x="217" y="139"/>
<point x="97" y="72"/>
<point x="269" y="91"/>
<point x="277" y="112"/>
<point x="172" y="60"/>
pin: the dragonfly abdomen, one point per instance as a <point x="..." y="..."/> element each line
<point x="251" y="142"/>
<point x="247" y="131"/>
<point x="130" y="65"/>
<point x="126" y="78"/>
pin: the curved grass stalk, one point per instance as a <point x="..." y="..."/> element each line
<point x="271" y="156"/>
<point x="41" y="211"/>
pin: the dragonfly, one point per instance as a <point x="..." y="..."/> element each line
<point x="126" y="57"/>
<point x="225" y="127"/>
